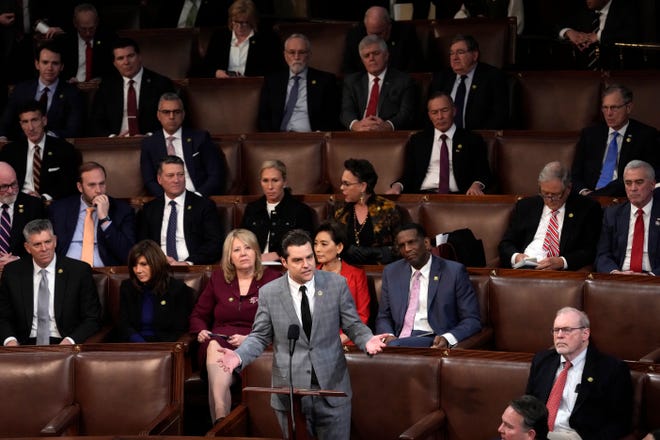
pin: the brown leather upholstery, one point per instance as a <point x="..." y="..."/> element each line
<point x="231" y="146"/>
<point x="650" y="416"/>
<point x="301" y="153"/>
<point x="559" y="100"/>
<point x="496" y="38"/>
<point x="522" y="155"/>
<point x="386" y="152"/>
<point x="646" y="89"/>
<point x="228" y="105"/>
<point x="166" y="51"/>
<point x="522" y="310"/>
<point x="328" y="42"/>
<point x="622" y="315"/>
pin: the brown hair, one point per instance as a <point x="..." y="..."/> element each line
<point x="160" y="270"/>
<point x="243" y="7"/>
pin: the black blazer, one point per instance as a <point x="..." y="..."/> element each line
<point x="65" y="117"/>
<point x="77" y="306"/>
<point x="487" y="106"/>
<point x="171" y="311"/>
<point x="59" y="165"/>
<point x="114" y="243"/>
<point x="640" y="142"/>
<point x="579" y="233"/>
<point x="101" y="54"/>
<point x="290" y="214"/>
<point x="322" y="100"/>
<point x="26" y="209"/>
<point x="201" y="227"/>
<point x="469" y="160"/>
<point x="204" y="160"/>
<point x="603" y="409"/>
<point x="264" y="56"/>
<point x="108" y="107"/>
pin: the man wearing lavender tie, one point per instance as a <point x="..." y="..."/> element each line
<point x="426" y="301"/>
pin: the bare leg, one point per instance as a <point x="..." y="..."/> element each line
<point x="219" y="383"/>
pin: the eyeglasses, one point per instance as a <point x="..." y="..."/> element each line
<point x="292" y="53"/>
<point x="240" y="23"/>
<point x="176" y="112"/>
<point x="565" y="330"/>
<point x="553" y="197"/>
<point x="613" y="108"/>
<point x="344" y="183"/>
<point x="13" y="185"/>
<point x="458" y="52"/>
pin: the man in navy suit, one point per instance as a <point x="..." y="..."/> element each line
<point x="485" y="98"/>
<point x="393" y="107"/>
<point x="616" y="141"/>
<point x="204" y="162"/>
<point x="59" y="159"/>
<point x="185" y="225"/>
<point x="110" y="113"/>
<point x="114" y="220"/>
<point x="596" y="398"/>
<point x="426" y="301"/>
<point x="616" y="252"/>
<point x="469" y="172"/>
<point x="61" y="101"/>
<point x="317" y="97"/>
<point x="578" y="225"/>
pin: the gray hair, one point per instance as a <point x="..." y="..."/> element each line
<point x="36" y="227"/>
<point x="277" y="164"/>
<point x="370" y="40"/>
<point x="170" y="96"/>
<point x="636" y="164"/>
<point x="584" y="319"/>
<point x="85" y="7"/>
<point x="555" y="170"/>
<point x="626" y="93"/>
<point x="302" y="37"/>
<point x="378" y="12"/>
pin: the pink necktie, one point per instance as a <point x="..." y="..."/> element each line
<point x="170" y="146"/>
<point x="551" y="241"/>
<point x="413" y="305"/>
<point x="555" y="395"/>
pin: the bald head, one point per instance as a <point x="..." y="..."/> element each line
<point x="8" y="184"/>
<point x="377" y="22"/>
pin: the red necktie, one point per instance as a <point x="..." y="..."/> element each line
<point x="131" y="109"/>
<point x="638" y="243"/>
<point x="443" y="185"/>
<point x="36" y="168"/>
<point x="89" y="55"/>
<point x="555" y="395"/>
<point x="551" y="241"/>
<point x="372" y="106"/>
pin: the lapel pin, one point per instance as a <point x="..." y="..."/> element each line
<point x="50" y="153"/>
<point x="231" y="299"/>
<point x="61" y="95"/>
<point x="254" y="300"/>
<point x="188" y="140"/>
<point x="570" y="215"/>
<point x="189" y="207"/>
<point x="313" y="81"/>
<point x="319" y="293"/>
<point x="474" y="86"/>
<point x="657" y="221"/>
<point x="590" y="379"/>
<point x="628" y="138"/>
<point x="458" y="147"/>
<point x="163" y="302"/>
<point x="436" y="278"/>
<point x="60" y="270"/>
<point x="20" y="209"/>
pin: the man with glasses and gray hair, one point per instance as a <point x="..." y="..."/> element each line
<point x="555" y="230"/>
<point x="588" y="394"/>
<point x="605" y="148"/>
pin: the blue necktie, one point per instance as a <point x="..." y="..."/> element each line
<point x="290" y="104"/>
<point x="171" y="233"/>
<point x="607" y="173"/>
<point x="459" y="102"/>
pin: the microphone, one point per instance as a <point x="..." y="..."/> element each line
<point x="293" y="334"/>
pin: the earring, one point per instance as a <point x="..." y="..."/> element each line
<point x="362" y="197"/>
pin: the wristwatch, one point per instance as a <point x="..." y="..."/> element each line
<point x="103" y="220"/>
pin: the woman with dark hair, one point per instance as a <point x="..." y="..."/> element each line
<point x="227" y="307"/>
<point x="329" y="243"/>
<point x="242" y="50"/>
<point x="276" y="213"/>
<point x="154" y="306"/>
<point x="370" y="220"/>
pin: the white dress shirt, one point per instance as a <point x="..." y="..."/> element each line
<point x="177" y="142"/>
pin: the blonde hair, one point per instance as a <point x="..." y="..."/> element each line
<point x="247" y="237"/>
<point x="243" y="7"/>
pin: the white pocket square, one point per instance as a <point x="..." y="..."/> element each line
<point x="195" y="154"/>
<point x="50" y="170"/>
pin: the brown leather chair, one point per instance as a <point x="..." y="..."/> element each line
<point x="650" y="417"/>
<point x="646" y="89"/>
<point x="559" y="100"/>
<point x="231" y="146"/>
<point x="522" y="155"/>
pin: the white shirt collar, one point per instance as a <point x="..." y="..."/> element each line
<point x="50" y="268"/>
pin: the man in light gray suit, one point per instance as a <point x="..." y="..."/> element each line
<point x="322" y="303"/>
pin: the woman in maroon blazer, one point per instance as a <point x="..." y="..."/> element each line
<point x="328" y="244"/>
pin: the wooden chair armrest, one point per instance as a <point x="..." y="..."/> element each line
<point x="101" y="335"/>
<point x="162" y="424"/>
<point x="652" y="357"/>
<point x="426" y="427"/>
<point x="235" y="424"/>
<point x="65" y="420"/>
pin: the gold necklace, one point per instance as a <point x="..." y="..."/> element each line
<point x="357" y="231"/>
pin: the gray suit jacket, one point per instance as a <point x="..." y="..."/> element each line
<point x="333" y="309"/>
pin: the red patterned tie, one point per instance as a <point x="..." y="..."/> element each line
<point x="638" y="243"/>
<point x="36" y="168"/>
<point x="555" y="395"/>
<point x="372" y="106"/>
<point x="443" y="185"/>
<point x="551" y="241"/>
<point x="89" y="56"/>
<point x="132" y="109"/>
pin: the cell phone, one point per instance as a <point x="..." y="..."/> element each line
<point x="218" y="335"/>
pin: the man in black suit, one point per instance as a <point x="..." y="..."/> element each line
<point x="466" y="152"/>
<point x="576" y="228"/>
<point x="112" y="113"/>
<point x="601" y="154"/>
<point x="203" y="161"/>
<point x="480" y="87"/>
<point x="62" y="101"/>
<point x="316" y="107"/>
<point x="601" y="24"/>
<point x="87" y="53"/>
<point x="67" y="304"/>
<point x="525" y="418"/>
<point x="586" y="392"/>
<point x="45" y="166"/>
<point x="402" y="42"/>
<point x="620" y="251"/>
<point x="185" y="225"/>
<point x="380" y="99"/>
<point x="17" y="209"/>
<point x="112" y="221"/>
